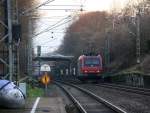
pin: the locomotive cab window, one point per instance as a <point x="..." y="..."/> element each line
<point x="92" y="62"/>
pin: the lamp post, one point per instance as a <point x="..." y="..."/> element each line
<point x="138" y="41"/>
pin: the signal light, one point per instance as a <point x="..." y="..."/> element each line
<point x="85" y="71"/>
<point x="97" y="71"/>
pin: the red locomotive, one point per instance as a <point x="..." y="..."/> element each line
<point x="89" y="67"/>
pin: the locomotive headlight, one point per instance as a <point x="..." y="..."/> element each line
<point x="98" y="71"/>
<point x="85" y="71"/>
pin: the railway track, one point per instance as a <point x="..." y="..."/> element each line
<point x="88" y="102"/>
<point x="142" y="91"/>
<point x="136" y="90"/>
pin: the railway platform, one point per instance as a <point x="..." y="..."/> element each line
<point x="40" y="105"/>
<point x="54" y="102"/>
<point x="48" y="105"/>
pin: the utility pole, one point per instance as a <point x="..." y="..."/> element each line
<point x="107" y="49"/>
<point x="138" y="41"/>
<point x="30" y="48"/>
<point x="39" y="54"/>
<point x="10" y="42"/>
<point x="17" y="43"/>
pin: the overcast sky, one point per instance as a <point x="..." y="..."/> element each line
<point x="57" y="15"/>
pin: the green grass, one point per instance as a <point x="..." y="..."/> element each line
<point x="34" y="91"/>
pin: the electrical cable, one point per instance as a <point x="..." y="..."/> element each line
<point x="60" y="21"/>
<point x="54" y="39"/>
<point x="32" y="9"/>
<point x="71" y="9"/>
<point x="53" y="26"/>
<point x="49" y="17"/>
<point x="64" y="5"/>
<point x="57" y="24"/>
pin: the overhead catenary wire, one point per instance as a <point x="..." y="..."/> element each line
<point x="32" y="9"/>
<point x="66" y="9"/>
<point x="56" y="23"/>
<point x="48" y="17"/>
<point x="45" y="30"/>
<point x="65" y="5"/>
<point x="53" y="26"/>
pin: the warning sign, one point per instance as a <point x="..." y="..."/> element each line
<point x="45" y="79"/>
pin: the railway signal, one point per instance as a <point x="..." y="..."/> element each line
<point x="45" y="78"/>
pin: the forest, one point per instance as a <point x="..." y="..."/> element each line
<point x="114" y="36"/>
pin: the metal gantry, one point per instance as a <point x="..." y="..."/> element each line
<point x="10" y="11"/>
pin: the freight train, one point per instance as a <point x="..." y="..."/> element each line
<point x="89" y="67"/>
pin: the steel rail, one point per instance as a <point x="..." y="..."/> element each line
<point x="127" y="88"/>
<point x="75" y="101"/>
<point x="99" y="99"/>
